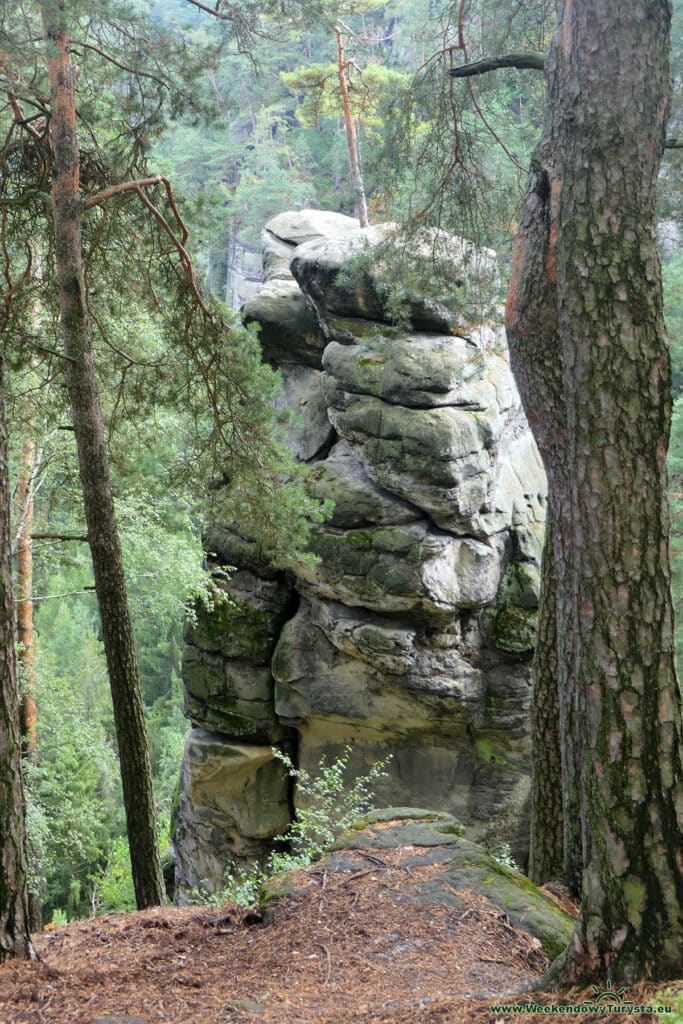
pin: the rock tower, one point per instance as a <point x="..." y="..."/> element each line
<point x="413" y="634"/>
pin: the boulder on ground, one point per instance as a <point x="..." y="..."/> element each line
<point x="432" y="840"/>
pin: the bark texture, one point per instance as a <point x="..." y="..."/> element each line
<point x="535" y="354"/>
<point x="546" y="854"/>
<point x="15" y="939"/>
<point x="351" y="133"/>
<point x="94" y="470"/>
<point x="27" y="461"/>
<point x="595" y="263"/>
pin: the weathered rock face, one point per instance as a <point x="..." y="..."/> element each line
<point x="413" y="634"/>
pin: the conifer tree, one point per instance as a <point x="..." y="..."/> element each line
<point x="86" y="81"/>
<point x="589" y="352"/>
<point x="117" y="630"/>
<point x="15" y="939"/>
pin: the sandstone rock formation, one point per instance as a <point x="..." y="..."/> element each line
<point x="424" y="839"/>
<point x="413" y="633"/>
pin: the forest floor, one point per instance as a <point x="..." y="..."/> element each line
<point x="343" y="949"/>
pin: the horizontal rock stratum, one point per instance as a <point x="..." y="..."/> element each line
<point x="413" y="633"/>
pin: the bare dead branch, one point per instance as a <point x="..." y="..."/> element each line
<point x="530" y="61"/>
<point x="20" y="118"/>
<point x="525" y="61"/>
<point x="56" y="597"/>
<point x="61" y="536"/>
<point x="116" y="190"/>
<point x="137" y="186"/>
<point x="216" y="11"/>
<point x="179" y="245"/>
<point x="53" y="352"/>
<point x="119" y="64"/>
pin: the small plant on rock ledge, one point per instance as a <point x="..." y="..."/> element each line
<point x="330" y="807"/>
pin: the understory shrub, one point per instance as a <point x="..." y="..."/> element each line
<point x="330" y="805"/>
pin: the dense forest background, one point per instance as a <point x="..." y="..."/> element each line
<point x="264" y="134"/>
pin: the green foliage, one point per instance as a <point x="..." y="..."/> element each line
<point x="166" y="727"/>
<point x="316" y="87"/>
<point x="186" y="399"/>
<point x="669" y="997"/>
<point x="675" y="465"/>
<point x="672" y="280"/>
<point x="330" y="806"/>
<point x="73" y="794"/>
<point x="243" y="886"/>
<point x="504" y="856"/>
<point x="113" y="887"/>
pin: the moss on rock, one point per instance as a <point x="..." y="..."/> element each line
<point x="514" y="629"/>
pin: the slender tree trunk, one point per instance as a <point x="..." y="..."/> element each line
<point x="351" y="134"/>
<point x="15" y="939"/>
<point x="620" y="702"/>
<point x="27" y="462"/>
<point x="94" y="470"/>
<point x="25" y="654"/>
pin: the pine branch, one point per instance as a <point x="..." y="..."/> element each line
<point x="60" y="536"/>
<point x="19" y="117"/>
<point x="55" y="597"/>
<point x="216" y="11"/>
<point x="136" y="72"/>
<point x="524" y="61"/>
<point x="530" y="61"/>
<point x="6" y="202"/>
<point x="124" y="186"/>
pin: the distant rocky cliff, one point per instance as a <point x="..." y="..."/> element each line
<point x="413" y="634"/>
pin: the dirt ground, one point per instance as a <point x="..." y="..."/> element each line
<point x="340" y="950"/>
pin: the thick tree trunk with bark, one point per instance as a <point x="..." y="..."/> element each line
<point x="15" y="939"/>
<point x="620" y="702"/>
<point x="94" y="470"/>
<point x="532" y="329"/>
<point x="546" y="854"/>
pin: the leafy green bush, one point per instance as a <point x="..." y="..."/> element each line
<point x="669" y="997"/>
<point x="113" y="887"/>
<point x="331" y="806"/>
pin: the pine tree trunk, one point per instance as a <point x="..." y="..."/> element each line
<point x="351" y="134"/>
<point x="546" y="855"/>
<point x="620" y="702"/>
<point x="15" y="939"/>
<point x="94" y="471"/>
<point x="25" y="598"/>
<point x="533" y="336"/>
